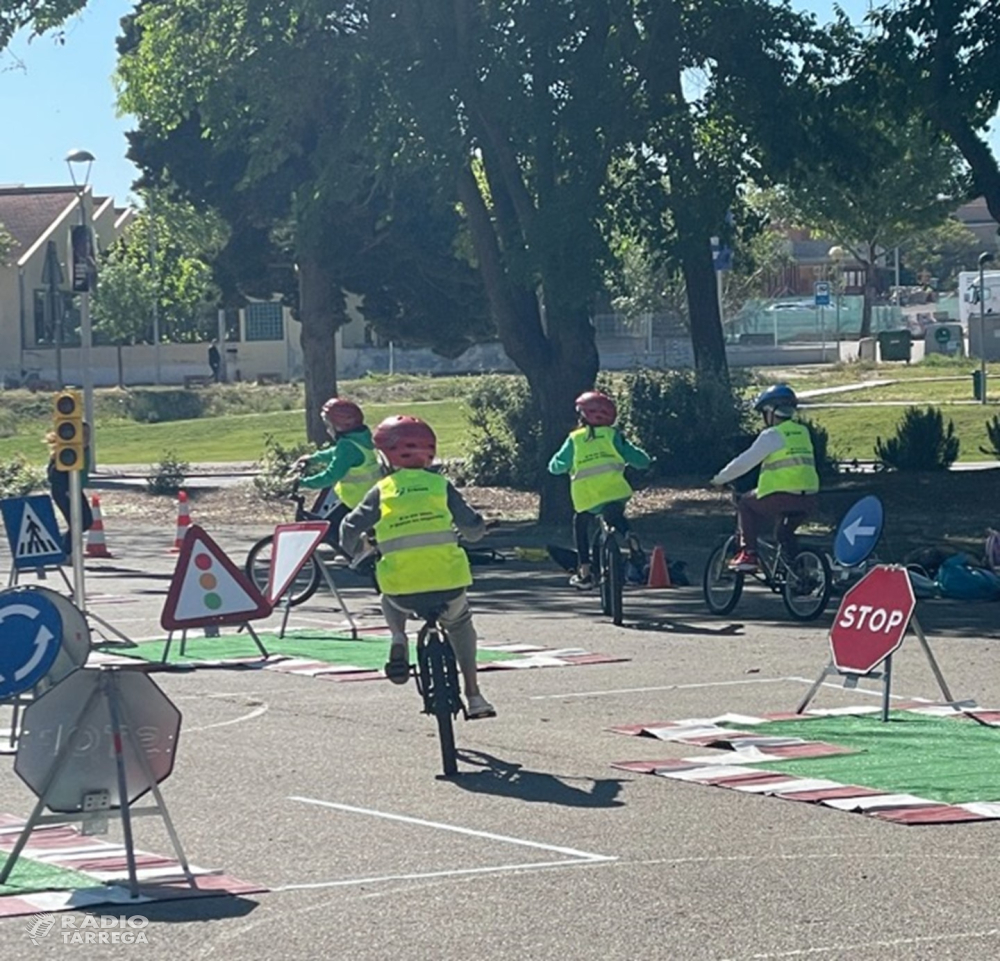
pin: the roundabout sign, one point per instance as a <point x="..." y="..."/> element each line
<point x="30" y="636"/>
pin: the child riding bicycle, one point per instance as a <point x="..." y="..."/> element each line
<point x="595" y="456"/>
<point x="788" y="481"/>
<point x="350" y="467"/>
<point x="414" y="513"/>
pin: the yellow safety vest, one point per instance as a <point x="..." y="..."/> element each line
<point x="353" y="486"/>
<point x="792" y="469"/>
<point x="598" y="474"/>
<point x="416" y="537"/>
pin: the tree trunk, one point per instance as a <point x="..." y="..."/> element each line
<point x="121" y="369"/>
<point x="318" y="295"/>
<point x="869" y="293"/>
<point x="557" y="354"/>
<point x="707" y="339"/>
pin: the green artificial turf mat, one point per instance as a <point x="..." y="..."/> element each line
<point x="29" y="876"/>
<point x="330" y="648"/>
<point x="953" y="760"/>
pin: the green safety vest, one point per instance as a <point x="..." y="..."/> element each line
<point x="353" y="486"/>
<point x="416" y="537"/>
<point x="598" y="474"/>
<point x="793" y="468"/>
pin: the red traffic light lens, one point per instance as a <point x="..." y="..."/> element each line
<point x="66" y="405"/>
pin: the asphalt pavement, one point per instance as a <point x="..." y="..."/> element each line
<point x="328" y="794"/>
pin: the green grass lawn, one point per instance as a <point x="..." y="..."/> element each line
<point x="233" y="437"/>
<point x="853" y="429"/>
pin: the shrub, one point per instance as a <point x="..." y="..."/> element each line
<point x="826" y="461"/>
<point x="993" y="432"/>
<point x="159" y="406"/>
<point x="18" y="479"/>
<point x="168" y="476"/>
<point x="691" y="423"/>
<point x="272" y="480"/>
<point x="921" y="443"/>
<point x="506" y="434"/>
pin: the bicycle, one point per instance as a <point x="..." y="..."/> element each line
<point x="801" y="576"/>
<point x="608" y="568"/>
<point x="437" y="679"/>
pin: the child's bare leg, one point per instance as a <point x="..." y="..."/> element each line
<point x="456" y="619"/>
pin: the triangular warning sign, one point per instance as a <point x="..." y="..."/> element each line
<point x="208" y="588"/>
<point x="291" y="548"/>
<point x="35" y="540"/>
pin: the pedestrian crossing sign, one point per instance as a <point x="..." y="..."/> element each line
<point x="32" y="531"/>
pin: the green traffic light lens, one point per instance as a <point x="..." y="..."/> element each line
<point x="69" y="458"/>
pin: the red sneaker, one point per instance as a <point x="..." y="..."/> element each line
<point x="745" y="561"/>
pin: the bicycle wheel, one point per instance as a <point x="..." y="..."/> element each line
<point x="613" y="578"/>
<point x="807" y="585"/>
<point x="721" y="586"/>
<point x="258" y="569"/>
<point x="444" y="692"/>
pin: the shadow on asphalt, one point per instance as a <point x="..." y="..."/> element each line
<point x="510" y="779"/>
<point x="199" y="908"/>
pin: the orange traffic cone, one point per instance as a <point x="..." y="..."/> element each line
<point x="183" y="521"/>
<point x="659" y="572"/>
<point x="96" y="544"/>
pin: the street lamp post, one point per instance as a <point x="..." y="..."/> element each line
<point x="81" y="282"/>
<point x="984" y="258"/>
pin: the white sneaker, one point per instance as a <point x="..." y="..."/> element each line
<point x="479" y="707"/>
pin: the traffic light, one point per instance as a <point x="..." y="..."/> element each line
<point x="69" y="431"/>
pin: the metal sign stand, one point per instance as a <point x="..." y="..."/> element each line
<point x="331" y="584"/>
<point x="245" y="624"/>
<point x="95" y="809"/>
<point x="851" y="679"/>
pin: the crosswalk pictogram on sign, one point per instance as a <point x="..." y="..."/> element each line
<point x="208" y="588"/>
<point x="32" y="531"/>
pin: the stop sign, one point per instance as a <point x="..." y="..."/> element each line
<point x="871" y="620"/>
<point x="64" y="777"/>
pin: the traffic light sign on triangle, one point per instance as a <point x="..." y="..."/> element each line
<point x="207" y="588"/>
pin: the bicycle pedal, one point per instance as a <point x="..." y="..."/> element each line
<point x="397" y="671"/>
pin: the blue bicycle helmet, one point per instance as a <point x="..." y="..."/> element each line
<point x="780" y="398"/>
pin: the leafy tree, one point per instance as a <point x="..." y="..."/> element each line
<point x="39" y="16"/>
<point x="311" y="215"/>
<point x="6" y="244"/>
<point x="871" y="181"/>
<point x="942" y="57"/>
<point x="123" y="303"/>
<point x="941" y="252"/>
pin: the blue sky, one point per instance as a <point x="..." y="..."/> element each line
<point x="60" y="97"/>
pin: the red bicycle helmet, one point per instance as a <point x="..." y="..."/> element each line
<point x="405" y="441"/>
<point x="342" y="415"/>
<point x="596" y="409"/>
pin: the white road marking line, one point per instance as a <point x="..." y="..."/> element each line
<point x="859" y="690"/>
<point x="894" y="943"/>
<point x="256" y="712"/>
<point x="471" y="832"/>
<point x="457" y="872"/>
<point x="665" y="687"/>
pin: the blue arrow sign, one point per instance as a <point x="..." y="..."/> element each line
<point x="859" y="531"/>
<point x="30" y="635"/>
<point x="32" y="531"/>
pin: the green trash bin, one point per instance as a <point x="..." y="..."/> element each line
<point x="978" y="377"/>
<point x="894" y="345"/>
